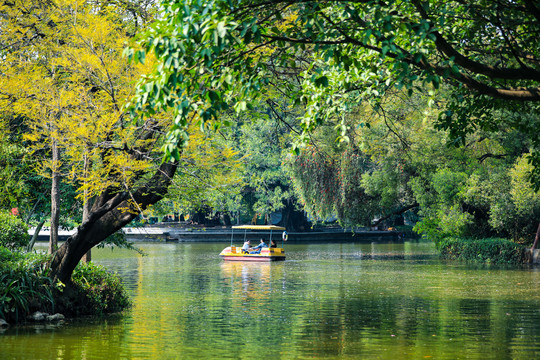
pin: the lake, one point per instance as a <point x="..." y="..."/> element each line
<point x="331" y="301"/>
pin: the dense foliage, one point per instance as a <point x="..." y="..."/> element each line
<point x="263" y="139"/>
<point x="209" y="179"/>
<point x="71" y="95"/>
<point x="13" y="187"/>
<point x="328" y="185"/>
<point x="334" y="55"/>
<point x="491" y="250"/>
<point x="26" y="287"/>
<point x="97" y="292"/>
<point x="341" y="61"/>
<point x="400" y="165"/>
<point x="13" y="231"/>
<point x="64" y="80"/>
<point x="237" y="171"/>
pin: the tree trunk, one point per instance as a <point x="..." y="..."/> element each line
<point x="86" y="208"/>
<point x="293" y="219"/>
<point x="536" y="238"/>
<point x="55" y="199"/>
<point x="227" y="219"/>
<point x="86" y="213"/>
<point x="35" y="236"/>
<point x="110" y="212"/>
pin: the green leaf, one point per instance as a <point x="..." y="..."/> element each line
<point x="221" y="29"/>
<point x="321" y="81"/>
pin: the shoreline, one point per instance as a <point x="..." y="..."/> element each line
<point x="179" y="233"/>
<point x="175" y="233"/>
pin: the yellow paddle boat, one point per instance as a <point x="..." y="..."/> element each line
<point x="234" y="253"/>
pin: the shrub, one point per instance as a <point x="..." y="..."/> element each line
<point x="99" y="291"/>
<point x="24" y="285"/>
<point x="13" y="231"/>
<point x="492" y="250"/>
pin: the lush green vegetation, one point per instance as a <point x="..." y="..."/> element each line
<point x="333" y="56"/>
<point x="26" y="287"/>
<point x="400" y="166"/>
<point x="422" y="124"/>
<point x="94" y="292"/>
<point x="492" y="250"/>
<point x="64" y="84"/>
<point x="13" y="231"/>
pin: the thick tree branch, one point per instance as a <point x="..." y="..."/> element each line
<point x="490" y="155"/>
<point x="517" y="93"/>
<point x="102" y="224"/>
<point x="396" y="212"/>
<point x="523" y="73"/>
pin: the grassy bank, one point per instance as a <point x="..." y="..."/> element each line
<point x="25" y="287"/>
<point x="491" y="250"/>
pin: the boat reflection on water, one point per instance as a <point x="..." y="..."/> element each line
<point x="251" y="279"/>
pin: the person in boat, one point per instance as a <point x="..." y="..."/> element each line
<point x="257" y="249"/>
<point x="273" y="244"/>
<point x="246" y="247"/>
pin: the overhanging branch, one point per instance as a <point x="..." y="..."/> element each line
<point x="396" y="212"/>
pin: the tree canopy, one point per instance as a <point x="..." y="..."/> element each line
<point x="216" y="55"/>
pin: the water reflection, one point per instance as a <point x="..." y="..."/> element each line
<point x="325" y="301"/>
<point x="251" y="279"/>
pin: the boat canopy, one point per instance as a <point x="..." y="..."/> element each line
<point x="259" y="227"/>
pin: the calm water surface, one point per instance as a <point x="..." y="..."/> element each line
<point x="341" y="301"/>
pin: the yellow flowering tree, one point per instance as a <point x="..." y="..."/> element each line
<point x="64" y="74"/>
